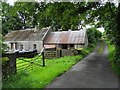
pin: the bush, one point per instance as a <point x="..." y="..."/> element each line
<point x="84" y="52"/>
<point x="91" y="45"/>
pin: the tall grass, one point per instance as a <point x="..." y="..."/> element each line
<point x="111" y="49"/>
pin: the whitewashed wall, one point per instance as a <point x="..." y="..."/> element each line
<point x="27" y="45"/>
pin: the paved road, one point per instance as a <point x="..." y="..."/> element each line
<point x="92" y="72"/>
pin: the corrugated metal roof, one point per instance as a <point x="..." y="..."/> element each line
<point x="26" y="35"/>
<point x="66" y="37"/>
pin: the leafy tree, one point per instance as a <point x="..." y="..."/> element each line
<point x="6" y="22"/>
<point x="63" y="15"/>
<point x="93" y="35"/>
<point x="21" y="15"/>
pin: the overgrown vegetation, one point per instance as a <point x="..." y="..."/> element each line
<point x="108" y="16"/>
<point x="36" y="76"/>
<point x="112" y="60"/>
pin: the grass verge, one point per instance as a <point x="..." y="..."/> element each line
<point x="101" y="48"/>
<point x="111" y="49"/>
<point x="36" y="76"/>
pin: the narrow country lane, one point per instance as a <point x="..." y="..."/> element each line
<point x="92" y="72"/>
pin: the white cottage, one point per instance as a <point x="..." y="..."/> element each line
<point x="26" y="40"/>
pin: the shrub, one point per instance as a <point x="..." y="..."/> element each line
<point x="84" y="52"/>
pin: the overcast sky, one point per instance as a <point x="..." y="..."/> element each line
<point x="11" y="2"/>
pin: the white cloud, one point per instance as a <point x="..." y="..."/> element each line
<point x="11" y="2"/>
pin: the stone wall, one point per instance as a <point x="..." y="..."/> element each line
<point x="59" y="53"/>
<point x="68" y="52"/>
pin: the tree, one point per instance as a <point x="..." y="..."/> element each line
<point x="6" y="22"/>
<point x="65" y="15"/>
<point x="20" y="16"/>
<point x="93" y="35"/>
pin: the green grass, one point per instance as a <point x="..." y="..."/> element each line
<point x="111" y="49"/>
<point x="101" y="48"/>
<point x="36" y="76"/>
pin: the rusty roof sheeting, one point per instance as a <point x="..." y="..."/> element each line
<point x="26" y="35"/>
<point x="66" y="37"/>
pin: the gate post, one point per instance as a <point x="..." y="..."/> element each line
<point x="60" y="53"/>
<point x="43" y="58"/>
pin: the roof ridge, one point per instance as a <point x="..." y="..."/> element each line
<point x="21" y="30"/>
<point x="68" y="31"/>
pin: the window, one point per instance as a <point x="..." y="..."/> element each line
<point x="12" y="47"/>
<point x="34" y="46"/>
<point x="21" y="47"/>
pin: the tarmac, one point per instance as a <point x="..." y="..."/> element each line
<point x="93" y="71"/>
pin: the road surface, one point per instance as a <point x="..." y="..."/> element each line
<point x="92" y="72"/>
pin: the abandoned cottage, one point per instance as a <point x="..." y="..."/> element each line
<point x="30" y="39"/>
<point x="67" y="39"/>
<point x="26" y="40"/>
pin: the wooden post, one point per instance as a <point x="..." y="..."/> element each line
<point x="43" y="58"/>
<point x="60" y="53"/>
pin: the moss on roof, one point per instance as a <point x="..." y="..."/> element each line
<point x="25" y="35"/>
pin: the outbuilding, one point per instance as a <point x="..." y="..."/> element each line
<point x="67" y="39"/>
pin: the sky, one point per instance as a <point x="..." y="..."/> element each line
<point x="101" y="29"/>
<point x="11" y="2"/>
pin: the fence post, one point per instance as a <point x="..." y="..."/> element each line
<point x="60" y="53"/>
<point x="43" y="58"/>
